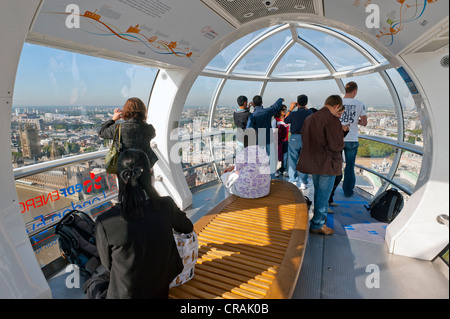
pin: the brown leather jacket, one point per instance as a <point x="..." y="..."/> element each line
<point x="323" y="142"/>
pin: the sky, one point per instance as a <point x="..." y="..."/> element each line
<point x="52" y="77"/>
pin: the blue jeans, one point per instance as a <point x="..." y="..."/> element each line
<point x="295" y="146"/>
<point x="323" y="185"/>
<point x="350" y="151"/>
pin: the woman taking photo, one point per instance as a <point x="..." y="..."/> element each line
<point x="135" y="131"/>
<point x="135" y="239"/>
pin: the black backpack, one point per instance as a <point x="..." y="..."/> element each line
<point x="386" y="206"/>
<point x="76" y="234"/>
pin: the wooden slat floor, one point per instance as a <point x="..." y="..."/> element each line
<point x="250" y="248"/>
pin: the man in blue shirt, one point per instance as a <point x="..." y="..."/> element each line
<point x="296" y="120"/>
<point x="261" y="121"/>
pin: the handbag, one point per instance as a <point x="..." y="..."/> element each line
<point x="187" y="246"/>
<point x="112" y="156"/>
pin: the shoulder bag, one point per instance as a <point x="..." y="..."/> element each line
<point x="113" y="154"/>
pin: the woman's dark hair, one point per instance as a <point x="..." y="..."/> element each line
<point x="134" y="108"/>
<point x="283" y="108"/>
<point x="133" y="170"/>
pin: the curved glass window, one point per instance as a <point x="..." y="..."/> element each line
<point x="368" y="48"/>
<point x="368" y="182"/>
<point x="316" y="61"/>
<point x="381" y="113"/>
<point x="61" y="98"/>
<point x="408" y="170"/>
<point x="341" y="55"/>
<point x="227" y="102"/>
<point x="195" y="116"/>
<point x="222" y="61"/>
<point x="413" y="124"/>
<point x="45" y="198"/>
<point x="258" y="60"/>
<point x="299" y="61"/>
<point x="317" y="92"/>
<point x="376" y="156"/>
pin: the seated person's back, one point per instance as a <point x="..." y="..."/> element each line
<point x="251" y="175"/>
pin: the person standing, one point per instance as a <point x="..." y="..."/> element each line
<point x="261" y="121"/>
<point x="240" y="117"/>
<point x="323" y="141"/>
<point x="283" y="140"/>
<point x="355" y="114"/>
<point x="296" y="120"/>
<point x="136" y="132"/>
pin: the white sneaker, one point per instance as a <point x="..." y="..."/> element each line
<point x="303" y="186"/>
<point x="286" y="174"/>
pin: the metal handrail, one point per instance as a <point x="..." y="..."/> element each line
<point x="414" y="149"/>
<point x="190" y="137"/>
<point x="23" y="172"/>
<point x="30" y="170"/>
<point x="407" y="147"/>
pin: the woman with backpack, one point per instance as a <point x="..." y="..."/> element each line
<point x="135" y="238"/>
<point x="135" y="132"/>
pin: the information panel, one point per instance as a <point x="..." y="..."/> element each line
<point x="394" y="23"/>
<point x="172" y="31"/>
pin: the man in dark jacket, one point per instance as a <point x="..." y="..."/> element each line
<point x="323" y="142"/>
<point x="261" y="121"/>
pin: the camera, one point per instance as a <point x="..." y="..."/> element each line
<point x="268" y="3"/>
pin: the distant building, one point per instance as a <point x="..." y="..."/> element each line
<point x="29" y="138"/>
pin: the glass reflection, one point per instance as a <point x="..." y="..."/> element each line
<point x="368" y="182"/>
<point x="376" y="156"/>
<point x="408" y="170"/>
<point x="46" y="197"/>
<point x="411" y="116"/>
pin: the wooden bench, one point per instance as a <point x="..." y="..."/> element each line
<point x="250" y="248"/>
